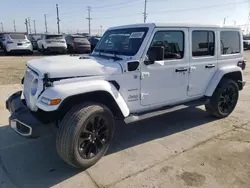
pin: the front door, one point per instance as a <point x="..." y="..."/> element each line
<point x="203" y="60"/>
<point x="166" y="81"/>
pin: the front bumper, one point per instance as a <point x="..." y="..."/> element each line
<point x="22" y="120"/>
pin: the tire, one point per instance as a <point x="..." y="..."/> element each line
<point x="74" y="142"/>
<point x="43" y="50"/>
<point x="224" y="99"/>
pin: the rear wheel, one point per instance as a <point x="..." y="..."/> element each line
<point x="224" y="99"/>
<point x="85" y="134"/>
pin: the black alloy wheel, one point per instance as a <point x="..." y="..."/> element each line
<point x="224" y="99"/>
<point x="93" y="137"/>
<point x="228" y="99"/>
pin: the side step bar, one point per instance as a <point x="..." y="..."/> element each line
<point x="145" y="115"/>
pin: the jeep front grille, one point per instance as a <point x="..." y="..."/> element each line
<point x="28" y="78"/>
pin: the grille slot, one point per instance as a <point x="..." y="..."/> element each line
<point x="27" y="85"/>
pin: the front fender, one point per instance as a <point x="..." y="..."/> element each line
<point x="63" y="91"/>
<point x="218" y="76"/>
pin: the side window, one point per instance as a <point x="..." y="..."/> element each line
<point x="203" y="43"/>
<point x="230" y="42"/>
<point x="171" y="41"/>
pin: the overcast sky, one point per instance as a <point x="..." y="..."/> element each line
<point x="108" y="13"/>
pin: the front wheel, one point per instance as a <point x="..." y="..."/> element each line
<point x="85" y="134"/>
<point x="224" y="99"/>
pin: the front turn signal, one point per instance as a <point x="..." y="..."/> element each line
<point x="55" y="101"/>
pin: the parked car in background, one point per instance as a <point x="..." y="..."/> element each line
<point x="16" y="42"/>
<point x="33" y="38"/>
<point x="93" y="42"/>
<point x="78" y="44"/>
<point x="1" y="41"/>
<point x="52" y="43"/>
<point x="246" y="42"/>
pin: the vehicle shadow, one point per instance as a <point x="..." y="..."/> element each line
<point x="35" y="163"/>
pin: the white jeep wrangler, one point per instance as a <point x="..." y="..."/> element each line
<point x="135" y="72"/>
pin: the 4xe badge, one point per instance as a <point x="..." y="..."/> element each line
<point x="133" y="98"/>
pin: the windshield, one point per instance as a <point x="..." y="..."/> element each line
<point x="122" y="41"/>
<point x="17" y="36"/>
<point x="54" y="37"/>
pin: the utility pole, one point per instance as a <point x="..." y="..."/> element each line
<point x="2" y="26"/>
<point x="145" y="11"/>
<point x="26" y="23"/>
<point x="29" y="25"/>
<point x="58" y="20"/>
<point x="34" y="26"/>
<point x="89" y="18"/>
<point x="101" y="30"/>
<point x="45" y="22"/>
<point x="224" y="21"/>
<point x="14" y="25"/>
<point x="246" y="28"/>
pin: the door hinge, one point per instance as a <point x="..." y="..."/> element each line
<point x="143" y="95"/>
<point x="189" y="87"/>
<point x="144" y="75"/>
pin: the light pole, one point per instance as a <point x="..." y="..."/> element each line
<point x="234" y="23"/>
<point x="224" y="21"/>
<point x="101" y="30"/>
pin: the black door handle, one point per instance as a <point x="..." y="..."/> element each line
<point x="209" y="66"/>
<point x="181" y="70"/>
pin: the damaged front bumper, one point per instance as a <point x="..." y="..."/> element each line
<point x="22" y="120"/>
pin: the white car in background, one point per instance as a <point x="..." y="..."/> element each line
<point x="52" y="43"/>
<point x="16" y="42"/>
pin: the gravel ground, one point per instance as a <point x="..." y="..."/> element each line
<point x="166" y="151"/>
<point x="12" y="68"/>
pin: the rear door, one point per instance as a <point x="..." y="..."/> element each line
<point x="203" y="59"/>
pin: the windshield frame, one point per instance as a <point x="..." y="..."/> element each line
<point x="130" y="30"/>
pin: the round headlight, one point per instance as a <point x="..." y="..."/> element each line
<point x="34" y="87"/>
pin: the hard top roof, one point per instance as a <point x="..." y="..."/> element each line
<point x="180" y="25"/>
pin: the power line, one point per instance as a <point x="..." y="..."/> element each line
<point x="34" y="26"/>
<point x="114" y="5"/>
<point x="118" y="8"/>
<point x="45" y="22"/>
<point x="201" y="7"/>
<point x="58" y="20"/>
<point x="89" y="18"/>
<point x="145" y="11"/>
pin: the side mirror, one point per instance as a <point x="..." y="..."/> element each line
<point x="155" y="53"/>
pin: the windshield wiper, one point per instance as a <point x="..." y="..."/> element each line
<point x="111" y="52"/>
<point x="115" y="56"/>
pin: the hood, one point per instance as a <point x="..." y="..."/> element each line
<point x="68" y="66"/>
